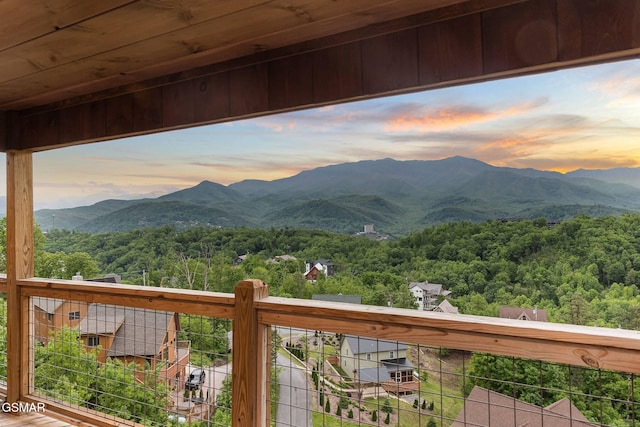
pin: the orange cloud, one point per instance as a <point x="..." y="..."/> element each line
<point x="453" y="117"/>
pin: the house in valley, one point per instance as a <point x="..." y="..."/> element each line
<point x="51" y="314"/>
<point x="485" y="407"/>
<point x="146" y="337"/>
<point x="321" y="266"/>
<point x="534" y="314"/>
<point x="427" y="295"/>
<point x="374" y="362"/>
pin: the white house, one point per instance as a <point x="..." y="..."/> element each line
<point x="426" y="294"/>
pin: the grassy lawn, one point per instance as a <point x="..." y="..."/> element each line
<point x="405" y="415"/>
<point x="323" y="419"/>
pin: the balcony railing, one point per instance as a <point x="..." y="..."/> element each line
<point x="313" y="325"/>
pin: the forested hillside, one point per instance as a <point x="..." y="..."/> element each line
<point x="583" y="271"/>
<point x="399" y="197"/>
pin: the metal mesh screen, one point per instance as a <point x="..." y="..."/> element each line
<point x="152" y="367"/>
<point x="327" y="379"/>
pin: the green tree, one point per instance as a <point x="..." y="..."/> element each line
<point x="121" y="393"/>
<point x="65" y="369"/>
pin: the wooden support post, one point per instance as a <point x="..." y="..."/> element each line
<point x="20" y="244"/>
<point x="251" y="358"/>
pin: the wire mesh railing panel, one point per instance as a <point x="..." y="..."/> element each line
<point x="152" y="367"/>
<point x="327" y="379"/>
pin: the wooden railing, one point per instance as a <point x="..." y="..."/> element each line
<point x="253" y="312"/>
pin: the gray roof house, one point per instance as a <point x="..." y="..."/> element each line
<point x="129" y="333"/>
<point x="535" y="314"/>
<point x="374" y="361"/>
<point x="488" y="408"/>
<point x="426" y="294"/>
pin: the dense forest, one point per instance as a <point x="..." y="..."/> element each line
<point x="582" y="271"/>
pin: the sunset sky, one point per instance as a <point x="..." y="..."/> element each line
<point x="580" y="118"/>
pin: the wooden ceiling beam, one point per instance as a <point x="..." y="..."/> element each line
<point x="524" y="37"/>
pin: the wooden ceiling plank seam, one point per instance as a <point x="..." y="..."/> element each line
<point x="104" y="64"/>
<point x="438" y="14"/>
<point x="86" y="33"/>
<point x="15" y="31"/>
<point x="48" y="123"/>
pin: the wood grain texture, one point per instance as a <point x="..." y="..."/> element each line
<point x="291" y="82"/>
<point x="119" y="115"/>
<point x="250" y="361"/>
<point x="211" y="97"/>
<point x="596" y="27"/>
<point x="27" y="21"/>
<point x="249" y="90"/>
<point x="82" y="122"/>
<point x="19" y="259"/>
<point x="212" y="304"/>
<point x="337" y="73"/>
<point x="578" y="345"/>
<point x="390" y="62"/>
<point x="450" y="50"/>
<point x="520" y="36"/>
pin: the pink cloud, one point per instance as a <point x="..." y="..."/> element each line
<point x="444" y="118"/>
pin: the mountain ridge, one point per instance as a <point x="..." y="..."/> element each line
<point x="397" y="196"/>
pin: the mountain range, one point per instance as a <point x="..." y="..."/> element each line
<point x="398" y="197"/>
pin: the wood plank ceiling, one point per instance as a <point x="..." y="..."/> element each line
<point x="80" y="71"/>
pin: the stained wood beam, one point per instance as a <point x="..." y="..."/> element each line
<point x="20" y="245"/>
<point x="251" y="358"/>
<point x="550" y="342"/>
<point x="431" y="50"/>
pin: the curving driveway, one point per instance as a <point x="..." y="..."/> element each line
<point x="294" y="405"/>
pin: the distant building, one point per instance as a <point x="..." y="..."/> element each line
<point x="321" y="266"/>
<point x="427" y="294"/>
<point x="371" y="234"/>
<point x="239" y="259"/>
<point x="485" y="407"/>
<point x="446" y="307"/>
<point x="281" y="258"/>
<point x="534" y="314"/>
<point x="378" y="362"/>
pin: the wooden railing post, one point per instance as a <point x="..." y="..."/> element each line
<point x="251" y="358"/>
<point x="20" y="246"/>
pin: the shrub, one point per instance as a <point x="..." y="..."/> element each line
<point x="386" y="407"/>
<point x="415" y="403"/>
<point x="374" y="415"/>
<point x="350" y="413"/>
<point x="327" y="407"/>
<point x="431" y="405"/>
<point x="424" y="404"/>
<point x="387" y="419"/>
<point x="432" y="423"/>
<point x="339" y="411"/>
<point x="344" y="402"/>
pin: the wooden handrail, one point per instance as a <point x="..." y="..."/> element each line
<point x="253" y="311"/>
<point x="612" y="349"/>
<point x="212" y="304"/>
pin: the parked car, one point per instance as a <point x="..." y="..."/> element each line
<point x="195" y="380"/>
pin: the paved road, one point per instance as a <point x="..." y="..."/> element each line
<point x="294" y="406"/>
